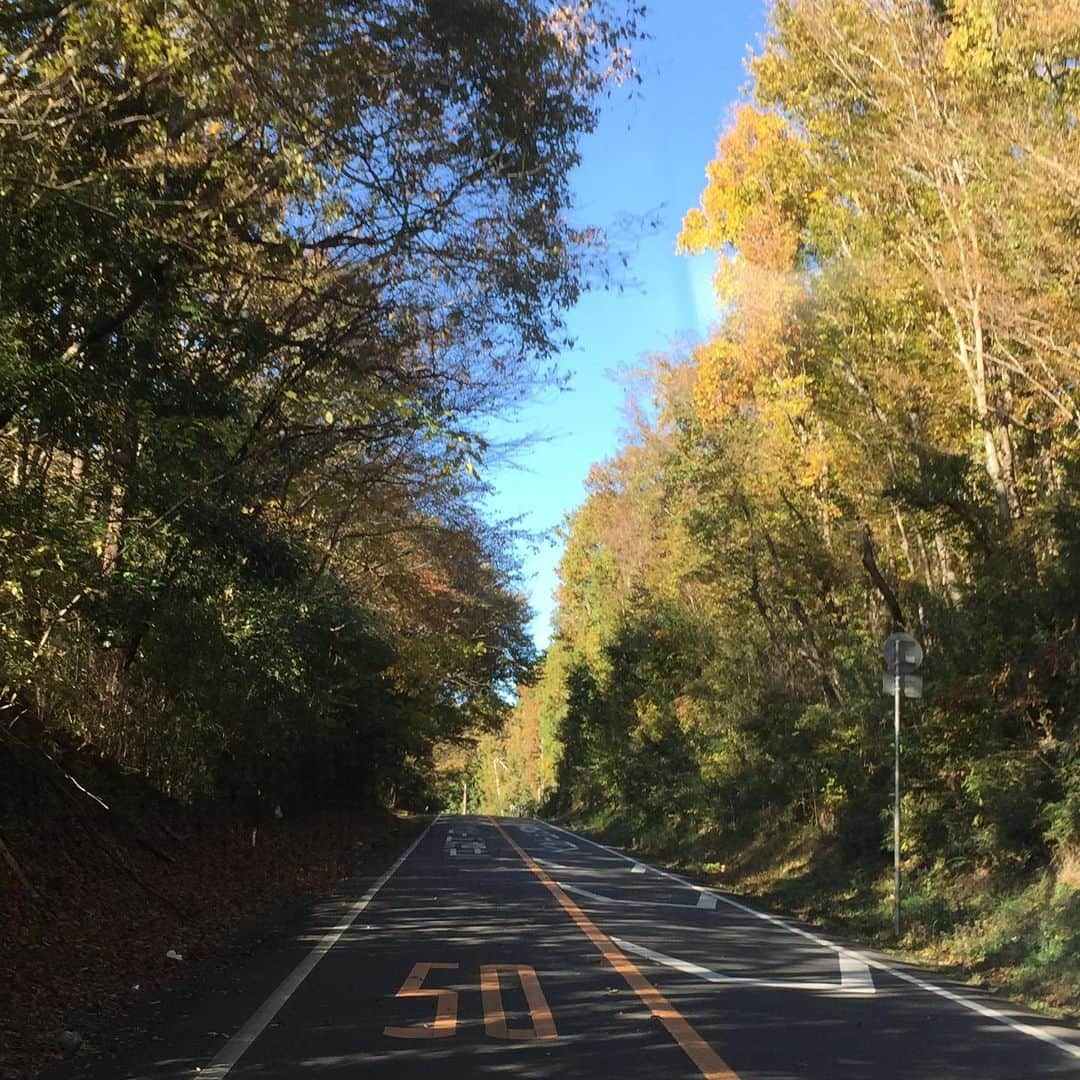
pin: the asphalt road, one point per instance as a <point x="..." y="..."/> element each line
<point x="511" y="948"/>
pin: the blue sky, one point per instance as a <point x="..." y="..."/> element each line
<point x="646" y="159"/>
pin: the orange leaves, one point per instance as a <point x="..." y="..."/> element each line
<point x="696" y="235"/>
<point x="754" y="383"/>
<point x="769" y="240"/>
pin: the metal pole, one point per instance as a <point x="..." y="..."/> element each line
<point x="896" y="795"/>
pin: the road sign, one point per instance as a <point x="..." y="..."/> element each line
<point x="904" y="651"/>
<point x="910" y="685"/>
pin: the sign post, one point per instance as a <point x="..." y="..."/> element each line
<point x="903" y="655"/>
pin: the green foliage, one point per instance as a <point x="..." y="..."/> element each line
<point x="268" y="267"/>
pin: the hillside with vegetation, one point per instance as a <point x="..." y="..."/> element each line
<point x="269" y="269"/>
<point x="883" y="432"/>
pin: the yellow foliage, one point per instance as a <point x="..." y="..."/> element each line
<point x="752" y="212"/>
<point x="719" y="386"/>
<point x="814" y="468"/>
<point x="973" y="41"/>
<point x="755" y="193"/>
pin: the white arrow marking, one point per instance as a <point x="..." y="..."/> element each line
<point x="687" y="968"/>
<point x="855" y="975"/>
<point x="616" y="900"/>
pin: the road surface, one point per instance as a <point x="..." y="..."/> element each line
<point x="511" y="948"/>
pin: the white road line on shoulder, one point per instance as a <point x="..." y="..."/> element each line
<point x="1071" y="1048"/>
<point x="688" y="968"/>
<point x="238" y="1045"/>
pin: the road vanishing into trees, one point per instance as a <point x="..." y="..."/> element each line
<point x="513" y="948"/>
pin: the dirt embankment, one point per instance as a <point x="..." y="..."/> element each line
<point x="101" y="877"/>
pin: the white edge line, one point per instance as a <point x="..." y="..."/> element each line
<point x="983" y="1010"/>
<point x="688" y="968"/>
<point x="1071" y="1048"/>
<point x="236" y="1047"/>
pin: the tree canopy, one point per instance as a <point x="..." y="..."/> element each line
<point x="268" y="267"/>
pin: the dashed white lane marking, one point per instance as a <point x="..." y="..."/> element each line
<point x="688" y="968"/>
<point x="237" y="1046"/>
<point x="855" y="977"/>
<point x="1068" y="1047"/>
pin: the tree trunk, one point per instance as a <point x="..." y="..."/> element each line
<point x="114" y="527"/>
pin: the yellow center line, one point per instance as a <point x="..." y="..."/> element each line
<point x="712" y="1066"/>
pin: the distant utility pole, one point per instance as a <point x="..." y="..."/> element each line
<point x="902" y="655"/>
<point x="464" y="794"/>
